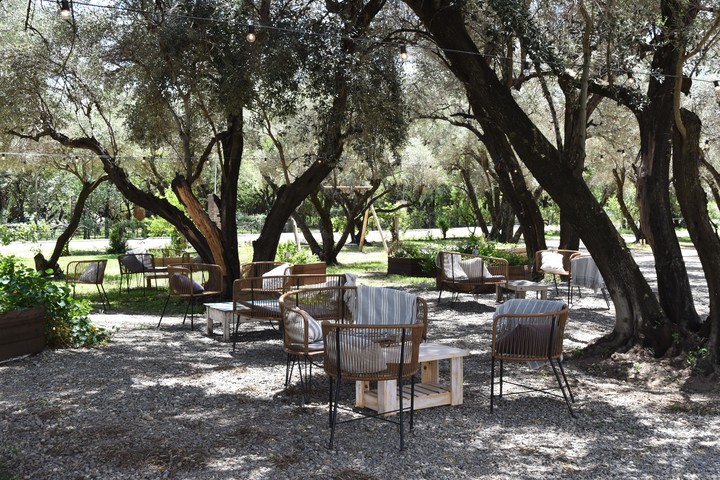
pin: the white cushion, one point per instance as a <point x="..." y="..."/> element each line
<point x="551" y="262"/>
<point x="278" y="271"/>
<point x="358" y="354"/>
<point x="475" y="268"/>
<point x="452" y="268"/>
<point x="295" y="328"/>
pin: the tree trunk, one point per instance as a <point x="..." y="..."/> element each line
<point x="620" y="182"/>
<point x="693" y="203"/>
<point x="61" y="244"/>
<point x="656" y="125"/>
<point x="639" y="318"/>
<point x="512" y="184"/>
<point x="474" y="203"/>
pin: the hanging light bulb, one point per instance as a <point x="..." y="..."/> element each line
<point x="717" y="85"/>
<point x="630" y="78"/>
<point x="403" y="53"/>
<point x="251" y="37"/>
<point x="65" y="10"/>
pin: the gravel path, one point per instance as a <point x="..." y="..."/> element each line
<point x="178" y="404"/>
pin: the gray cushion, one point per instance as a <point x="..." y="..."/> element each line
<point x="185" y="285"/>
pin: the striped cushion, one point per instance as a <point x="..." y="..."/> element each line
<point x="475" y="268"/>
<point x="385" y="306"/>
<point x="295" y="329"/>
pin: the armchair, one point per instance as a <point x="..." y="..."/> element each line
<point x="192" y="282"/>
<point x="371" y="352"/>
<point x="88" y="272"/>
<point x="529" y="330"/>
<point x="466" y="273"/>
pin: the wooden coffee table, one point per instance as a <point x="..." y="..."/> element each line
<point x="431" y="392"/>
<point x="521" y="287"/>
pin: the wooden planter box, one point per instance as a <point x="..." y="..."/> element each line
<point x="411" y="267"/>
<point x="22" y="332"/>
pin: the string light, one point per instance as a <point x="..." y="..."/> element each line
<point x="403" y="53"/>
<point x="251" y="37"/>
<point x="630" y="78"/>
<point x="526" y="68"/>
<point x="717" y="85"/>
<point x="65" y="12"/>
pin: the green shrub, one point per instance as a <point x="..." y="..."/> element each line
<point x="67" y="321"/>
<point x="289" y="252"/>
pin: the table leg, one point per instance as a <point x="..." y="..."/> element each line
<point x="519" y="293"/>
<point x="456" y="381"/>
<point x="360" y="389"/>
<point x="543" y="294"/>
<point x="498" y="292"/>
<point x="227" y="320"/>
<point x="209" y="322"/>
<point x="430" y="372"/>
<point x="387" y="396"/>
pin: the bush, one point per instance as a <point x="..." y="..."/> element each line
<point x="289" y="252"/>
<point x="67" y="321"/>
<point x="426" y="254"/>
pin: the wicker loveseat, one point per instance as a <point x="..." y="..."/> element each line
<point x="466" y="273"/>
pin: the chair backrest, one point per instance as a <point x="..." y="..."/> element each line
<point x="554" y="261"/>
<point x="371" y="352"/>
<point x="261" y="294"/>
<point x="135" y="263"/>
<point x="456" y="266"/>
<point x="194" y="279"/>
<point x="335" y="304"/>
<point x="86" y="271"/>
<point x="318" y="268"/>
<point x="258" y="269"/>
<point x="529" y="329"/>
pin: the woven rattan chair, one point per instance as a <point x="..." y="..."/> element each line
<point x="88" y="272"/>
<point x="304" y="309"/>
<point x="194" y="283"/>
<point x="530" y="330"/>
<point x="556" y="263"/>
<point x="257" y="297"/>
<point x="465" y="273"/>
<point x="362" y="352"/>
<point x="258" y="269"/>
<point x="135" y="265"/>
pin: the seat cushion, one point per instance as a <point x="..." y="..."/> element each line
<point x="551" y="262"/>
<point x="271" y="283"/>
<point x="185" y="285"/>
<point x="90" y="275"/>
<point x="132" y="264"/>
<point x="452" y="269"/>
<point x="475" y="268"/>
<point x="295" y="329"/>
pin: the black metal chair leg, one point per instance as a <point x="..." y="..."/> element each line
<point x="163" y="311"/>
<point x="333" y="415"/>
<point x="562" y="387"/>
<point x="492" y="382"/>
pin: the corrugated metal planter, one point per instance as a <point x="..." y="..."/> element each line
<point x="22" y="332"/>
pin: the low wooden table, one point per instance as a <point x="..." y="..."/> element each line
<point x="429" y="393"/>
<point x="521" y="287"/>
<point x="222" y="313"/>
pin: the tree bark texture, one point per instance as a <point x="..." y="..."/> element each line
<point x="655" y="121"/>
<point x="639" y="318"/>
<point x="693" y="204"/>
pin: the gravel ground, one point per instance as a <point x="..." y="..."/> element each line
<point x="177" y="404"/>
